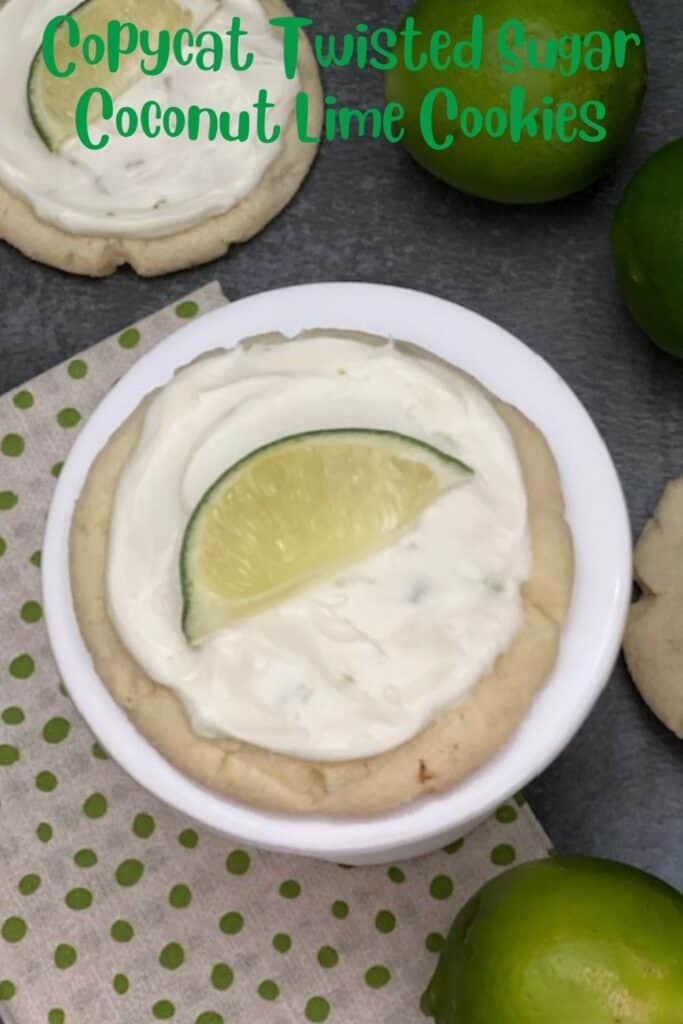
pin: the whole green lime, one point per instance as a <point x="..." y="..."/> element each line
<point x="570" y="940"/>
<point x="647" y="247"/>
<point x="551" y="124"/>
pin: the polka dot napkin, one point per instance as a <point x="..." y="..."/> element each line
<point x="113" y="908"/>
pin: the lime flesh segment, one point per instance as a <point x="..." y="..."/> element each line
<point x="52" y="101"/>
<point x="298" y="509"/>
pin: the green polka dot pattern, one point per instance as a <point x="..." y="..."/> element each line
<point x="122" y="931"/>
<point x="290" y="890"/>
<point x="129" y="872"/>
<point x="377" y="976"/>
<point x="13" y="929"/>
<point x="22" y="666"/>
<point x="117" y="907"/>
<point x="238" y="862"/>
<point x="23" y="399"/>
<point x="180" y="897"/>
<point x="434" y="942"/>
<point x="385" y="922"/>
<point x="231" y="923"/>
<point x="441" y="887"/>
<point x="503" y="855"/>
<point x="282" y="942"/>
<point x="222" y="977"/>
<point x="172" y="956"/>
<point x="340" y="909"/>
<point x="8" y="755"/>
<point x="95" y="806"/>
<point x="77" y="369"/>
<point x="186" y="310"/>
<point x="56" y="730"/>
<point x="317" y="1010"/>
<point x="268" y="990"/>
<point x="143" y="826"/>
<point x="13" y="716"/>
<point x="78" y="899"/>
<point x="8" y="500"/>
<point x="328" y="956"/>
<point x="65" y="956"/>
<point x="163" y="1010"/>
<point x="188" y="839"/>
<point x="129" y="338"/>
<point x="46" y="781"/>
<point x="29" y="884"/>
<point x="85" y="858"/>
<point x="68" y="418"/>
<point x="7" y="990"/>
<point x="44" y="832"/>
<point x="12" y="445"/>
<point x="31" y="612"/>
<point x="120" y="984"/>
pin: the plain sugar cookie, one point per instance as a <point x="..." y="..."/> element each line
<point x="653" y="643"/>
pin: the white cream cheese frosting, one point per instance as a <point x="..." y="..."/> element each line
<point x="140" y="187"/>
<point x="358" y="663"/>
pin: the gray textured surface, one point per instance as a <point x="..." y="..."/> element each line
<point x="369" y="213"/>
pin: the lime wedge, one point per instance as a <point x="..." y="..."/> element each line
<point x="52" y="101"/>
<point x="298" y="509"/>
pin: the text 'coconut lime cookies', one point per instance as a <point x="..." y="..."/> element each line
<point x="323" y="574"/>
<point x="161" y="200"/>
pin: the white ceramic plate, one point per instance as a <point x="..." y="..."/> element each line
<point x="595" y="509"/>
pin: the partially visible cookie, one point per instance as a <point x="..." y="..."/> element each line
<point x="99" y="254"/>
<point x="653" y="643"/>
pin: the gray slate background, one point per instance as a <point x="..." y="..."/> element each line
<point x="369" y="213"/>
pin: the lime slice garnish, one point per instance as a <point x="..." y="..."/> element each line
<point x="52" y="101"/>
<point x="298" y="509"/>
